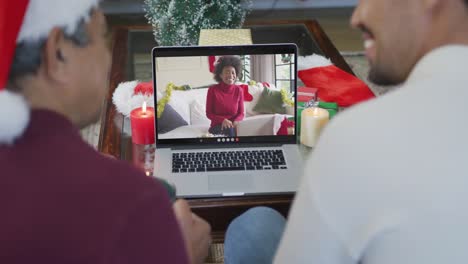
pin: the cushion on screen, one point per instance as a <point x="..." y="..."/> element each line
<point x="270" y="102"/>
<point x="169" y="120"/>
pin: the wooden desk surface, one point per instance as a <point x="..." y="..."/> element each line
<point x="219" y="212"/>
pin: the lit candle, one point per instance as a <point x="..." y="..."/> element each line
<point x="142" y="122"/>
<point x="312" y="122"/>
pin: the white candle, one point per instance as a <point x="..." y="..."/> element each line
<point x="313" y="120"/>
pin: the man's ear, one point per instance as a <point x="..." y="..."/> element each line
<point x="55" y="58"/>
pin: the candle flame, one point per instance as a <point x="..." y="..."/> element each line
<point x="316" y="111"/>
<point x="144" y="107"/>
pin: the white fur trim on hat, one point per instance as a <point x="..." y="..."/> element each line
<point x="14" y="116"/>
<point x="122" y="95"/>
<point x="43" y="15"/>
<point x="125" y="100"/>
<point x="312" y="61"/>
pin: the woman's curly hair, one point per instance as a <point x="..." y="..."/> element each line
<point x="226" y="61"/>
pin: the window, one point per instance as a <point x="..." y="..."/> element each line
<point x="246" y="63"/>
<point x="284" y="72"/>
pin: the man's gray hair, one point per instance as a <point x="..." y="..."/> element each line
<point x="28" y="54"/>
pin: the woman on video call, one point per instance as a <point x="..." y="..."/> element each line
<point x="225" y="100"/>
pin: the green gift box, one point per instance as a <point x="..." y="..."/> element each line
<point x="332" y="108"/>
<point x="300" y="107"/>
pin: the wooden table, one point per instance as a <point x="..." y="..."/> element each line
<point x="127" y="40"/>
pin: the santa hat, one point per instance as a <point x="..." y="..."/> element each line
<point x="130" y="95"/>
<point x="29" y="20"/>
<point x="333" y="84"/>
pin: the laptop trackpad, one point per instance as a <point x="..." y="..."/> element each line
<point x="230" y="182"/>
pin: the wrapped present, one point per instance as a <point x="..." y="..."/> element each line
<point x="331" y="107"/>
<point x="306" y="94"/>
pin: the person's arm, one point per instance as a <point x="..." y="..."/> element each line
<point x="195" y="230"/>
<point x="149" y="233"/>
<point x="240" y="108"/>
<point x="210" y="106"/>
<point x="307" y="237"/>
<point x="326" y="218"/>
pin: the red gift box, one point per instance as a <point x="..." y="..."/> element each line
<point x="306" y="94"/>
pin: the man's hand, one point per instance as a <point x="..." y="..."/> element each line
<point x="235" y="123"/>
<point x="226" y="124"/>
<point x="196" y="232"/>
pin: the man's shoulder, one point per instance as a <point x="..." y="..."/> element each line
<point x="122" y="176"/>
<point x="363" y="121"/>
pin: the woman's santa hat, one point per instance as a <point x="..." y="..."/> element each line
<point x="29" y="20"/>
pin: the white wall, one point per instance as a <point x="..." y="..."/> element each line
<point x="193" y="71"/>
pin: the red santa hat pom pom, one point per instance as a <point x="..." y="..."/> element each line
<point x="14" y="117"/>
<point x="130" y="95"/>
<point x="144" y="88"/>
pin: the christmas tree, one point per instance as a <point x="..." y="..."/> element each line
<point x="178" y="22"/>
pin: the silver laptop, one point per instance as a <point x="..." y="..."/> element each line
<point x="194" y="151"/>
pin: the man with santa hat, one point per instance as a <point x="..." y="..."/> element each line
<point x="60" y="200"/>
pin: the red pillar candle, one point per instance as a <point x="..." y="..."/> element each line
<point x="142" y="122"/>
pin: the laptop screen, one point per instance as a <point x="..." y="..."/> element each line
<point x="225" y="95"/>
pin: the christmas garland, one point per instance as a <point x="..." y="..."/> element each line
<point x="286" y="97"/>
<point x="169" y="87"/>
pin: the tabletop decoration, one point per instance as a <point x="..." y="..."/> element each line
<point x="313" y="120"/>
<point x="142" y="122"/>
<point x="130" y="95"/>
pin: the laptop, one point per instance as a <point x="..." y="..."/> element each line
<point x="253" y="157"/>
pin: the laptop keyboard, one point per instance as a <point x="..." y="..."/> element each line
<point x="228" y="161"/>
